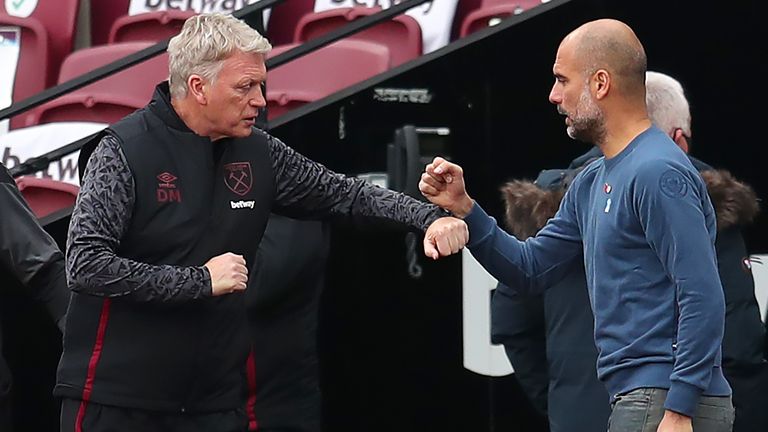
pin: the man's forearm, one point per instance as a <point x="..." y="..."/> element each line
<point x="97" y="271"/>
<point x="310" y="190"/>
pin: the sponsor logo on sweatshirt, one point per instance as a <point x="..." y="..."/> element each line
<point x="242" y="204"/>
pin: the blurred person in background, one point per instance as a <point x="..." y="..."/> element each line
<point x="283" y="301"/>
<point x="549" y="337"/>
<point x="31" y="263"/>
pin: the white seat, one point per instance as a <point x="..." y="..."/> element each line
<point x="760" y="275"/>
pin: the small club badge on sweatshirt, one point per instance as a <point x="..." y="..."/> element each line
<point x="607" y="189"/>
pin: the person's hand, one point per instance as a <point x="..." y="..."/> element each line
<point x="442" y="183"/>
<point x="228" y="273"/>
<point x="445" y="236"/>
<point x="674" y="422"/>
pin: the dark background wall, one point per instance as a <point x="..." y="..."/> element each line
<point x="493" y="94"/>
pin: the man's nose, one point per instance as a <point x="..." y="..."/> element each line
<point x="555" y="96"/>
<point x="258" y="100"/>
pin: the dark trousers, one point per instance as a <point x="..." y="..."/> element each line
<point x="750" y="397"/>
<point x="641" y="410"/>
<point x="91" y="417"/>
<point x="5" y="414"/>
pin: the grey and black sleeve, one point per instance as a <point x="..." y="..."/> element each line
<point x="101" y="217"/>
<point x="307" y="189"/>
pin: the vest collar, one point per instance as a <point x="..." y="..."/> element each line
<point x="161" y="106"/>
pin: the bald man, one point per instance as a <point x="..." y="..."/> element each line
<point x="643" y="220"/>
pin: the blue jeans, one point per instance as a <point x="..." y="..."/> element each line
<point x="641" y="410"/>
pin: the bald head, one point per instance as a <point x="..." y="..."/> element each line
<point x="611" y="45"/>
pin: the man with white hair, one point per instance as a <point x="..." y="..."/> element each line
<point x="736" y="205"/>
<point x="668" y="107"/>
<point x="173" y="204"/>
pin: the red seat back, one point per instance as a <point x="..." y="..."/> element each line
<point x="151" y="26"/>
<point x="523" y="4"/>
<point x="104" y="13"/>
<point x="402" y="34"/>
<point x="59" y="18"/>
<point x="492" y="11"/>
<point x="333" y="68"/>
<point x="46" y="196"/>
<point x="463" y="8"/>
<point x="284" y="18"/>
<point x="30" y="77"/>
<point x="111" y="98"/>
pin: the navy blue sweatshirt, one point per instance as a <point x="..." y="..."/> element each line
<point x="645" y="224"/>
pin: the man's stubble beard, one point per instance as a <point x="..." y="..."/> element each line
<point x="589" y="124"/>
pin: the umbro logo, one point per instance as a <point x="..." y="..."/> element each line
<point x="167" y="179"/>
<point x="166" y="188"/>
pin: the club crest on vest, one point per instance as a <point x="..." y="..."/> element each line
<point x="238" y="177"/>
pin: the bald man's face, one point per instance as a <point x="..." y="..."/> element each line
<point x="571" y="93"/>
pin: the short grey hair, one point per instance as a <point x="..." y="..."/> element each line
<point x="667" y="105"/>
<point x="205" y="41"/>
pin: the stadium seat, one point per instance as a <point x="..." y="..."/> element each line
<point x="109" y="99"/>
<point x="46" y="196"/>
<point x="103" y="16"/>
<point x="491" y="12"/>
<point x="152" y="26"/>
<point x="33" y="61"/>
<point x="284" y="18"/>
<point x="522" y="4"/>
<point x="333" y="68"/>
<point x="463" y="8"/>
<point x="402" y="34"/>
<point x="59" y="18"/>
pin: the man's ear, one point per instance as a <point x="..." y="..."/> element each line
<point x="601" y="83"/>
<point x="196" y="88"/>
<point x="679" y="138"/>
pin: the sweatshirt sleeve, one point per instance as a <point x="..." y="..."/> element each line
<point x="28" y="253"/>
<point x="307" y="189"/>
<point x="678" y="220"/>
<point x="533" y="265"/>
<point x="101" y="216"/>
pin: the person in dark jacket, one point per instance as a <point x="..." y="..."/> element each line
<point x="549" y="338"/>
<point x="562" y="327"/>
<point x="173" y="204"/>
<point x="282" y="303"/>
<point x="30" y="262"/>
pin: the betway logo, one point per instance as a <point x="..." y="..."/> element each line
<point x="242" y="204"/>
